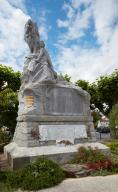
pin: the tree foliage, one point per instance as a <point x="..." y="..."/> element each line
<point x="108" y="89"/>
<point x="8" y="108"/>
<point x="83" y="84"/>
<point x="67" y="78"/>
<point x="113" y="121"/>
<point x="9" y="85"/>
<point x="9" y="78"/>
<point x="104" y="90"/>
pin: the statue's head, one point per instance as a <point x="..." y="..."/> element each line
<point x="29" y="25"/>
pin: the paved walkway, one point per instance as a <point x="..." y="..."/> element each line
<point x="88" y="184"/>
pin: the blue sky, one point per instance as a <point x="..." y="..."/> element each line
<point x="80" y="35"/>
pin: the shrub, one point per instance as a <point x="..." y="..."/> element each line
<point x="3" y="176"/>
<point x="113" y="147"/>
<point x="40" y="174"/>
<point x="4" y="139"/>
<point x="5" y="188"/>
<point x="104" y="164"/>
<point x="88" y="155"/>
<point x="103" y="172"/>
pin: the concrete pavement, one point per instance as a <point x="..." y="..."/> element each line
<point x="87" y="184"/>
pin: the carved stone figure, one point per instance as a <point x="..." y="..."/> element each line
<point x="38" y="66"/>
<point x="32" y="36"/>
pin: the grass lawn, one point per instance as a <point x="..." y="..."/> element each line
<point x="113" y="144"/>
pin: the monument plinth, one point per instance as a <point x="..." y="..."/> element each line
<point x="51" y="111"/>
<point x="56" y="112"/>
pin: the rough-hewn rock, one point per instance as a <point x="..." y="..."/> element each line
<point x="75" y="170"/>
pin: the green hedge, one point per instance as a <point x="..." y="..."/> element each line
<point x="42" y="173"/>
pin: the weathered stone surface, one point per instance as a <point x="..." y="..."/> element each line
<point x="62" y="132"/>
<point x="55" y="99"/>
<point x="75" y="170"/>
<point x="54" y="104"/>
<point x="55" y="119"/>
<point x="57" y="153"/>
<point x="37" y="66"/>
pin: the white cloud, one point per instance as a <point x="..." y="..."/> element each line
<point x="76" y="23"/>
<point x="12" y="21"/>
<point x="43" y="26"/>
<point x="76" y="4"/>
<point x="105" y="13"/>
<point x="83" y="62"/>
<point x="13" y="16"/>
<point x="61" y="23"/>
<point x="18" y="4"/>
<point x="69" y="9"/>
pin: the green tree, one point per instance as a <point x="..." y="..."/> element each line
<point x="103" y="91"/>
<point x="107" y="90"/>
<point x="8" y="108"/>
<point x="113" y="121"/>
<point x="83" y="84"/>
<point x="67" y="78"/>
<point x="92" y="89"/>
<point x="9" y="85"/>
<point x="9" y="78"/>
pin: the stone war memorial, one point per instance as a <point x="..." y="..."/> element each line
<point x="54" y="116"/>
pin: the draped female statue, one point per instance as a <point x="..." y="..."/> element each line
<point x="38" y="66"/>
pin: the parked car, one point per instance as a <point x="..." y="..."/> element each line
<point x="103" y="129"/>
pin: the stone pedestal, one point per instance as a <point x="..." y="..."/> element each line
<point x="21" y="156"/>
<point x="52" y="112"/>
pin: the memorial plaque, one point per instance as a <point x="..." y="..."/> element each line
<point x="62" y="132"/>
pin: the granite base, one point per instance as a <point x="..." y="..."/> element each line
<point x="19" y="157"/>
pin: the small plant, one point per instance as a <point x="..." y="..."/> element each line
<point x="88" y="155"/>
<point x="104" y="164"/>
<point x="40" y="174"/>
<point x="101" y="172"/>
<point x="105" y="171"/>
